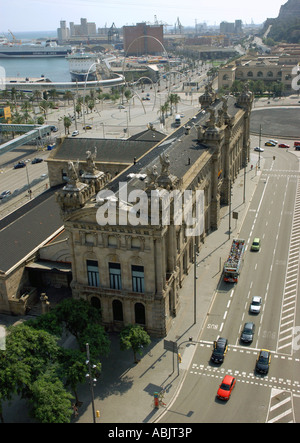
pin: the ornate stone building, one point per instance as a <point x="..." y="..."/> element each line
<point x="133" y="266"/>
<point x="269" y="69"/>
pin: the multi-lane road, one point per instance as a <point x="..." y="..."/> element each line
<point x="272" y="273"/>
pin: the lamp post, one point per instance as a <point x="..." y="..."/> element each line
<point x="195" y="281"/>
<point x="91" y="380"/>
<point x="28" y="181"/>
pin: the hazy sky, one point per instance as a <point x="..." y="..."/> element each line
<point x="38" y="15"/>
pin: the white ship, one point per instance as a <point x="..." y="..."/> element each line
<point x="82" y="66"/>
<point x="8" y="49"/>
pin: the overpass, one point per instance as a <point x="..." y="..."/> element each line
<point x="32" y="132"/>
<point x="29" y="86"/>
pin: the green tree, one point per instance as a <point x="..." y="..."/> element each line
<point x="49" y="401"/>
<point x="28" y="354"/>
<point x="72" y="369"/>
<point x="134" y="337"/>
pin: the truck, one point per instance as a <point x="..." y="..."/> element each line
<point x="177" y="120"/>
<point x="297" y="146"/>
<point x="233" y="264"/>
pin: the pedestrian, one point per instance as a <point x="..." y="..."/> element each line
<point x="75" y="409"/>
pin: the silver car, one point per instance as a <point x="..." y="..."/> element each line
<point x="255" y="305"/>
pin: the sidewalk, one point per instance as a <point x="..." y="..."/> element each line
<point x="124" y="392"/>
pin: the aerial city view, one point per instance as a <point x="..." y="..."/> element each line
<point x="149" y="214"/>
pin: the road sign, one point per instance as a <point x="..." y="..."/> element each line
<point x="170" y="346"/>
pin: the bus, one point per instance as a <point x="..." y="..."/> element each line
<point x="297" y="146"/>
<point x="177" y="120"/>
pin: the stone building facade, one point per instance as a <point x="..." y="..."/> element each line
<point x="271" y="68"/>
<point x="132" y="268"/>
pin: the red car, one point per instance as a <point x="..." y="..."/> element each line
<point x="226" y="387"/>
<point x="283" y="145"/>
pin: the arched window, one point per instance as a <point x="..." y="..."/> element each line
<point x="225" y="77"/>
<point x="249" y="74"/>
<point x="117" y="310"/>
<point x="96" y="303"/>
<point x="270" y="74"/>
<point x="139" y="312"/>
<point x="260" y="74"/>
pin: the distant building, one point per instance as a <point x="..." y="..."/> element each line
<point x="84" y="29"/>
<point x="134" y="44"/>
<point x="231" y="28"/>
<point x="63" y="33"/>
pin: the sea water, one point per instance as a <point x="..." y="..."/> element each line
<point x="54" y="68"/>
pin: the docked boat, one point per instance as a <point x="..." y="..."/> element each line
<point x="83" y="66"/>
<point x="9" y="49"/>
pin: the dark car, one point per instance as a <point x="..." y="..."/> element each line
<point x="4" y="194"/>
<point x="248" y="332"/>
<point x="36" y="160"/>
<point x="263" y="361"/>
<point x="219" y="351"/>
<point x="20" y="165"/>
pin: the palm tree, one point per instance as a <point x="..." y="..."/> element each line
<point x="37" y="95"/>
<point x="67" y="124"/>
<point x="68" y="95"/>
<point x="53" y="94"/>
<point x="176" y="99"/>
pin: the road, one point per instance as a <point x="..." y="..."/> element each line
<point x="272" y="273"/>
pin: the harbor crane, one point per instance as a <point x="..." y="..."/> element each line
<point x="14" y="38"/>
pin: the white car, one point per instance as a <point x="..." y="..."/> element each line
<point x="255" y="305"/>
<point x="74" y="133"/>
<point x="273" y="141"/>
<point x="259" y="149"/>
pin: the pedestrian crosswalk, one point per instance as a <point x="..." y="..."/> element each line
<point x="281" y="407"/>
<point x="288" y="309"/>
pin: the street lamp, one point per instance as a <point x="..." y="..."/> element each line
<point x="28" y="181"/>
<point x="91" y="380"/>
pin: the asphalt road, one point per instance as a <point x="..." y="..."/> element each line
<point x="270" y="273"/>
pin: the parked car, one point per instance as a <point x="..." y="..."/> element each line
<point x="37" y="160"/>
<point x="87" y="127"/>
<point x="273" y="141"/>
<point x="226" y="387"/>
<point x="121" y="107"/>
<point x="248" y="332"/>
<point x="263" y="361"/>
<point x="54" y="129"/>
<point x="269" y="143"/>
<point x="74" y="133"/>
<point x="20" y="165"/>
<point x="219" y="351"/>
<point x="255" y="244"/>
<point x="4" y="194"/>
<point x="255" y="305"/>
<point x="259" y="149"/>
<point x="283" y="145"/>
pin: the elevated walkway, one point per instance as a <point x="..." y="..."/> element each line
<point x="32" y="132"/>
